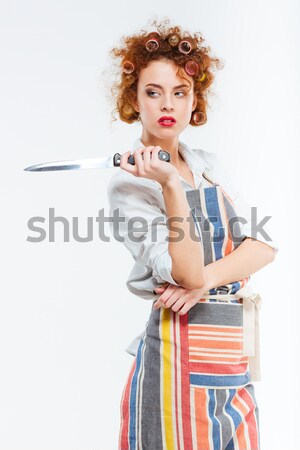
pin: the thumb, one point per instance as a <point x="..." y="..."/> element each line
<point x="161" y="288"/>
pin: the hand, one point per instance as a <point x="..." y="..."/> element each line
<point x="178" y="297"/>
<point x="161" y="289"/>
<point x="148" y="165"/>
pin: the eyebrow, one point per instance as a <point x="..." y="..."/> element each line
<point x="159" y="86"/>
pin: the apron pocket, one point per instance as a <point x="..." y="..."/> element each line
<point x="215" y="340"/>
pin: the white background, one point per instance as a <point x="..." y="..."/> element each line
<point x="66" y="315"/>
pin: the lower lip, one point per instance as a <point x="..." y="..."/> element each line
<point x="166" y="124"/>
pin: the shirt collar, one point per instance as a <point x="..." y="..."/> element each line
<point x="191" y="157"/>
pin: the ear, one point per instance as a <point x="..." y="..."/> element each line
<point x="135" y="106"/>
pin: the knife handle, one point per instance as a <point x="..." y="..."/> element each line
<point x="162" y="154"/>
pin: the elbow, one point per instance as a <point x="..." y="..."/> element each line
<point x="189" y="280"/>
<point x="190" y="283"/>
<point x="273" y="254"/>
<point x="270" y="252"/>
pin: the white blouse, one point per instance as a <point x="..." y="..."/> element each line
<point x="147" y="241"/>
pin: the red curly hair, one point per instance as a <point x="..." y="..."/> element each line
<point x="170" y="43"/>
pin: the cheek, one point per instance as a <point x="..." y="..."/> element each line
<point x="189" y="105"/>
<point x="184" y="107"/>
<point x="147" y="109"/>
<point x="191" y="101"/>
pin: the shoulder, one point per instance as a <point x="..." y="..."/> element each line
<point x="215" y="165"/>
<point x="219" y="169"/>
<point x="205" y="156"/>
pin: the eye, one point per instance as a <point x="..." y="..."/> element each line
<point x="151" y="92"/>
<point x="154" y="92"/>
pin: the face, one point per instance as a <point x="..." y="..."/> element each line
<point x="160" y="92"/>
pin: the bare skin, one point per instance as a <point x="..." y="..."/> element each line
<point x="154" y="102"/>
<point x="251" y="256"/>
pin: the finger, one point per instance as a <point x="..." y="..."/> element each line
<point x="180" y="302"/>
<point x="163" y="298"/>
<point x="140" y="159"/>
<point x="160" y="289"/>
<point x="168" y="292"/>
<point x="154" y="156"/>
<point x="147" y="158"/>
<point x="176" y="301"/>
<point x="186" y="307"/>
<point x="139" y="162"/>
<point x="173" y="299"/>
<point x="169" y="289"/>
<point x="124" y="164"/>
<point x="157" y="304"/>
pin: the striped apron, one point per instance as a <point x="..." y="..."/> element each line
<point x="190" y="384"/>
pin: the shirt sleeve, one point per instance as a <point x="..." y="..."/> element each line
<point x="141" y="226"/>
<point x="252" y="222"/>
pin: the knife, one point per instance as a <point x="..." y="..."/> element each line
<point x="90" y="163"/>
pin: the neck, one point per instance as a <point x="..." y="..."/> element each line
<point x="170" y="145"/>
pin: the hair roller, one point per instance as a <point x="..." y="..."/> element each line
<point x="152" y="44"/>
<point x="174" y="39"/>
<point x="191" y="67"/>
<point x="202" y="78"/>
<point x="128" y="67"/>
<point x="184" y="46"/>
<point x="199" y="117"/>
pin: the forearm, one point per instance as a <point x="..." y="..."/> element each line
<point x="248" y="258"/>
<point x="184" y="246"/>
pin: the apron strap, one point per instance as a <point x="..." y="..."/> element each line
<point x="204" y="174"/>
<point x="251" y="344"/>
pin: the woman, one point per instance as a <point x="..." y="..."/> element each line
<point x="190" y="384"/>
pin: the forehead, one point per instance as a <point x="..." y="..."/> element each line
<point x="162" y="72"/>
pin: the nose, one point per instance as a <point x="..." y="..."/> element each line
<point x="167" y="103"/>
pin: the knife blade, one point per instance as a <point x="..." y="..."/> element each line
<point x="89" y="163"/>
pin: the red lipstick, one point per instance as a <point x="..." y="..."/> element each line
<point x="167" y="121"/>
